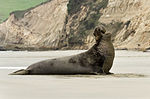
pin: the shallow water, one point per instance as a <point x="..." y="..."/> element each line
<point x="130" y="81"/>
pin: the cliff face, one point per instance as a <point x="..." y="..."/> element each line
<point x="82" y="21"/>
<point x="37" y="27"/>
<point x="68" y="24"/>
<point x="131" y="18"/>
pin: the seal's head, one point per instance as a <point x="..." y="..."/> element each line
<point x="98" y="32"/>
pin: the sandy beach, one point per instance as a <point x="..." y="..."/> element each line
<point x="130" y="81"/>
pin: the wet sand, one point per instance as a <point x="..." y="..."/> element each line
<point x="130" y="81"/>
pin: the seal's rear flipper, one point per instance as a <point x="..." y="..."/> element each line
<point x="20" y="72"/>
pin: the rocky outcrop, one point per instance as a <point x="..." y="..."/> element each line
<point x="68" y="24"/>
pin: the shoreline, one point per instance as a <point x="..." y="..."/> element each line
<point x="32" y="48"/>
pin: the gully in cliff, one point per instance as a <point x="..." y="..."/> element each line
<point x="97" y="60"/>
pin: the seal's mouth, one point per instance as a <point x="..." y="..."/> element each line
<point x="99" y="31"/>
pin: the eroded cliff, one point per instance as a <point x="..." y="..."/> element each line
<point x="68" y="24"/>
<point x="36" y="28"/>
<point x="129" y="21"/>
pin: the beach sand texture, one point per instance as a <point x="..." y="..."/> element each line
<point x="130" y="81"/>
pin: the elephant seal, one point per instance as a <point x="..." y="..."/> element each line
<point x="97" y="60"/>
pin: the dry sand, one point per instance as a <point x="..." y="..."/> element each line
<point x="130" y="81"/>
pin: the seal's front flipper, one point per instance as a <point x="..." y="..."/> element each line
<point x="109" y="73"/>
<point x="20" y="72"/>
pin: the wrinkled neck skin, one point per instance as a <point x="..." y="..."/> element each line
<point x="95" y="46"/>
<point x="104" y="46"/>
<point x="98" y="39"/>
<point x="103" y="40"/>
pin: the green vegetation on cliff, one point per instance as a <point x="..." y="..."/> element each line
<point x="7" y="6"/>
